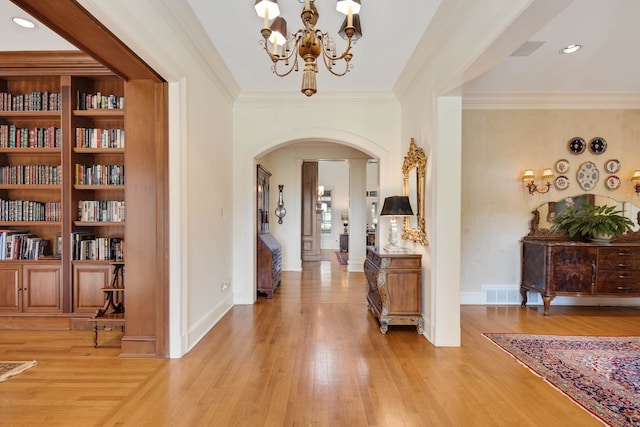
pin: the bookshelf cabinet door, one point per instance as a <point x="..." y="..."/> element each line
<point x="88" y="281"/>
<point x="43" y="289"/>
<point x="10" y="289"/>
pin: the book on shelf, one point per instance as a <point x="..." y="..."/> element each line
<point x="99" y="138"/>
<point x="98" y="101"/>
<point x="32" y="101"/>
<point x="21" y="244"/>
<point x="86" y="246"/>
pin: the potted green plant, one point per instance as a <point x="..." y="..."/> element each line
<point x="598" y="223"/>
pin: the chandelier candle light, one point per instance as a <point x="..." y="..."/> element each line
<point x="308" y="42"/>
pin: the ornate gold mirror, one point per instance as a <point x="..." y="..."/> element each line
<point x="413" y="171"/>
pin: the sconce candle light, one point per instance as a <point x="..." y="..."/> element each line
<point x="395" y="206"/>
<point x="528" y="178"/>
<point x="636" y="180"/>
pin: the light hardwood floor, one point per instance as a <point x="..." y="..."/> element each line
<point x="312" y="356"/>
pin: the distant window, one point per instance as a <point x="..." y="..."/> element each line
<point x="325" y="216"/>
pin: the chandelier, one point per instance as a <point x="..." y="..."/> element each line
<point x="308" y="42"/>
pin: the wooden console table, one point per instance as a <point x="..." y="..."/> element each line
<point x="112" y="313"/>
<point x="395" y="288"/>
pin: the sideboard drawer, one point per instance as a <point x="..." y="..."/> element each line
<point x="618" y="282"/>
<point x="619" y="258"/>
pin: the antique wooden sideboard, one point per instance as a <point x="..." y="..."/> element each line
<point x="395" y="288"/>
<point x="553" y="264"/>
<point x="572" y="268"/>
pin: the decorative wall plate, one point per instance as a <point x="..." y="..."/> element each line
<point x="588" y="176"/>
<point x="612" y="182"/>
<point x="598" y="145"/>
<point x="561" y="182"/>
<point x="612" y="166"/>
<point x="562" y="166"/>
<point x="577" y="145"/>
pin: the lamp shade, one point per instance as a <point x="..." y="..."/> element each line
<point x="278" y="31"/>
<point x="343" y="6"/>
<point x="396" y="205"/>
<point x="528" y="175"/>
<point x="636" y="176"/>
<point x="267" y="8"/>
<point x="356" y="24"/>
<point x="547" y="174"/>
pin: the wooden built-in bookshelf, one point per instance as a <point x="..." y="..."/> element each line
<point x="59" y="284"/>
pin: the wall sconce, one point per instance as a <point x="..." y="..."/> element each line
<point x="528" y="179"/>
<point x="345" y="221"/>
<point x="395" y="206"/>
<point x="636" y="180"/>
<point x="280" y="210"/>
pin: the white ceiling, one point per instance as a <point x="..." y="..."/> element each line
<point x="608" y="30"/>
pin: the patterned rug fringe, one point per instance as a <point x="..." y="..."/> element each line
<point x="9" y="369"/>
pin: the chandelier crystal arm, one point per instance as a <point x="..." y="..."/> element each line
<point x="276" y="58"/>
<point x="331" y="58"/>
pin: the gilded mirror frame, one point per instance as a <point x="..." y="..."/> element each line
<point x="415" y="162"/>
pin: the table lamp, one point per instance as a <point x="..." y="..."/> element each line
<point x="395" y="206"/>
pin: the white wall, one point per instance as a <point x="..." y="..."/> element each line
<point x="497" y="146"/>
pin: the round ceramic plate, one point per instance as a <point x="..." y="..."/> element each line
<point x="612" y="182"/>
<point x="598" y="145"/>
<point x="561" y="182"/>
<point x="577" y="145"/>
<point x="562" y="166"/>
<point x="612" y="166"/>
<point x="587" y="176"/>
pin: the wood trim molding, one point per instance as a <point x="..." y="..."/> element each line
<point x="75" y="24"/>
<point x="55" y="62"/>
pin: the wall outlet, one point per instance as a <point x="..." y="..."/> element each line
<point x="224" y="286"/>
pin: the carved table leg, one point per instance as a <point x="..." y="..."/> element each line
<point x="546" y="300"/>
<point x="525" y="295"/>
<point x="384" y="326"/>
<point x="95" y="334"/>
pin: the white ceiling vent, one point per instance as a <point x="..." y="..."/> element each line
<point x="527" y="48"/>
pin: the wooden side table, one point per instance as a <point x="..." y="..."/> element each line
<point x="112" y="313"/>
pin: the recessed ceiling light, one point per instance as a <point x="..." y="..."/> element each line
<point x="23" y="22"/>
<point x="572" y="48"/>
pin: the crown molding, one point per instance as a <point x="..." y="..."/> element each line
<point x="272" y="97"/>
<point x="552" y="101"/>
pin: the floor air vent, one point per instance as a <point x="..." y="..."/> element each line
<point x="501" y="295"/>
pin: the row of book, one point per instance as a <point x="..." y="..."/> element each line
<point x="33" y="101"/>
<point x="101" y="210"/>
<point x="12" y="136"/>
<point x="29" y="210"/>
<point x="88" y="101"/>
<point x="99" y="138"/>
<point x="21" y="244"/>
<point x="30" y="174"/>
<point x="99" y="174"/>
<point x="86" y="246"/>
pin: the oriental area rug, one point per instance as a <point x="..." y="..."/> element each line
<point x="9" y="369"/>
<point x="602" y="374"/>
